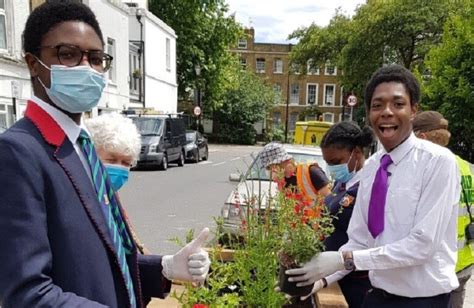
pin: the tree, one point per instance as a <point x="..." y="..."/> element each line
<point x="449" y="88"/>
<point x="380" y="32"/>
<point x="204" y="35"/>
<point x="246" y="102"/>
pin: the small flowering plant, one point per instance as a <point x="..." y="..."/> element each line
<point x="303" y="223"/>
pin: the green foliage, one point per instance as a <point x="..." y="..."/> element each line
<point x="204" y="34"/>
<point x="246" y="102"/>
<point x="449" y="88"/>
<point x="380" y="32"/>
<point x="276" y="133"/>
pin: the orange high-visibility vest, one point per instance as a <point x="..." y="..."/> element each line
<point x="303" y="179"/>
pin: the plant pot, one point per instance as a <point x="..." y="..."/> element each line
<point x="288" y="287"/>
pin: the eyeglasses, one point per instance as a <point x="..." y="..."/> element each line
<point x="70" y="55"/>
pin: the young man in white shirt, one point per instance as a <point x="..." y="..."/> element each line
<point x="403" y="228"/>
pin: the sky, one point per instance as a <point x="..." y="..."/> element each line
<point x="274" y="20"/>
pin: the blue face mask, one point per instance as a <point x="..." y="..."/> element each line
<point x="74" y="89"/>
<point x="340" y="173"/>
<point x="118" y="175"/>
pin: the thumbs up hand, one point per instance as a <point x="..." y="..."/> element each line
<point x="191" y="263"/>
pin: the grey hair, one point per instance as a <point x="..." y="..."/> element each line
<point x="115" y="133"/>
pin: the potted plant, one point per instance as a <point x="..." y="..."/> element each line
<point x="303" y="225"/>
<point x="137" y="73"/>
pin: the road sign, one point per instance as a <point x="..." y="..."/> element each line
<point x="352" y="100"/>
<point x="197" y="111"/>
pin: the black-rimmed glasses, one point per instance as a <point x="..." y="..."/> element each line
<point x="70" y="55"/>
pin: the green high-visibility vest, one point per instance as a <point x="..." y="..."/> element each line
<point x="465" y="252"/>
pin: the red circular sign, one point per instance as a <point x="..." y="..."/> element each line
<point x="352" y="100"/>
<point x="197" y="110"/>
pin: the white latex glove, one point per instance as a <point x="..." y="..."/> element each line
<point x="190" y="263"/>
<point x="318" y="285"/>
<point x="320" y="266"/>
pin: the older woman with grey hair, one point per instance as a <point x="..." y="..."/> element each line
<point x="117" y="143"/>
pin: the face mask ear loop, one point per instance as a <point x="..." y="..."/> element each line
<point x="44" y="65"/>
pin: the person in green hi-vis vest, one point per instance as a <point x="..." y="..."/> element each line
<point x="432" y="126"/>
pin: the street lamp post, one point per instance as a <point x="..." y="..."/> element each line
<point x="197" y="69"/>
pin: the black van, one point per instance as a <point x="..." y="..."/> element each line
<point x="163" y="140"/>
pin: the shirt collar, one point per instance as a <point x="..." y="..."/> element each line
<point x="402" y="149"/>
<point x="353" y="180"/>
<point x="70" y="128"/>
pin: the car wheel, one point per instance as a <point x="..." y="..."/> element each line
<point x="164" y="163"/>
<point x="196" y="156"/>
<point x="181" y="159"/>
<point x="206" y="154"/>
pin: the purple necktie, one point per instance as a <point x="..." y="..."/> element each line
<point x="378" y="196"/>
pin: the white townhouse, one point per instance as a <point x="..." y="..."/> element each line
<point x="143" y="72"/>
<point x="15" y="85"/>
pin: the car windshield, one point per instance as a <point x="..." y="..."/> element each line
<point x="258" y="172"/>
<point x="148" y="126"/>
<point x="190" y="136"/>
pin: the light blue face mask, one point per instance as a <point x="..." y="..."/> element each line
<point x="74" y="89"/>
<point x="118" y="175"/>
<point x="341" y="173"/>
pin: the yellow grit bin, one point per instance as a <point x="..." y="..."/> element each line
<point x="310" y="132"/>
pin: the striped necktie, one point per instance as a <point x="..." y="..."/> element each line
<point x="109" y="206"/>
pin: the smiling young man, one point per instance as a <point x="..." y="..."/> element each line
<point x="403" y="227"/>
<point x="65" y="242"/>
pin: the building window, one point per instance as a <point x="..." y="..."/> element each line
<point x="260" y="67"/>
<point x="3" y="26"/>
<point x="243" y="63"/>
<point x="330" y="70"/>
<point x="328" y="117"/>
<point x="295" y="93"/>
<point x="311" y="94"/>
<point x="292" y="121"/>
<point x="341" y="100"/>
<point x="329" y="94"/>
<point x="276" y="119"/>
<point x="111" y="51"/>
<point x="242" y="43"/>
<point x="134" y="69"/>
<point x="311" y="69"/>
<point x="168" y="54"/>
<point x="295" y="68"/>
<point x="278" y="66"/>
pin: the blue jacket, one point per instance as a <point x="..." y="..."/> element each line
<point x="345" y="199"/>
<point x="55" y="249"/>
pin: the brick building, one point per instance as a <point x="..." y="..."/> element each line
<point x="299" y="92"/>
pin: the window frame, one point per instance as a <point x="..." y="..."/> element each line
<point x="262" y="62"/>
<point x="325" y="103"/>
<point x="111" y="50"/>
<point x="293" y="96"/>
<point x="330" y="114"/>
<point x="275" y="66"/>
<point x="326" y="70"/>
<point x="3" y="12"/>
<point x="168" y="53"/>
<point x="315" y="94"/>
<point x="241" y="44"/>
<point x="310" y="70"/>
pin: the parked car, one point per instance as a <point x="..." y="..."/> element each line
<point x="196" y="146"/>
<point x="163" y="140"/>
<point x="255" y="184"/>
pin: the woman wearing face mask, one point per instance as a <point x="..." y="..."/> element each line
<point x="343" y="150"/>
<point x="117" y="143"/>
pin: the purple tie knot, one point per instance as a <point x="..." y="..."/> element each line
<point x="385" y="161"/>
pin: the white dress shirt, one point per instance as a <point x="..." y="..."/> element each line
<point x="415" y="255"/>
<point x="70" y="128"/>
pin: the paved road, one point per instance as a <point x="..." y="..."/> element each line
<point x="165" y="204"/>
